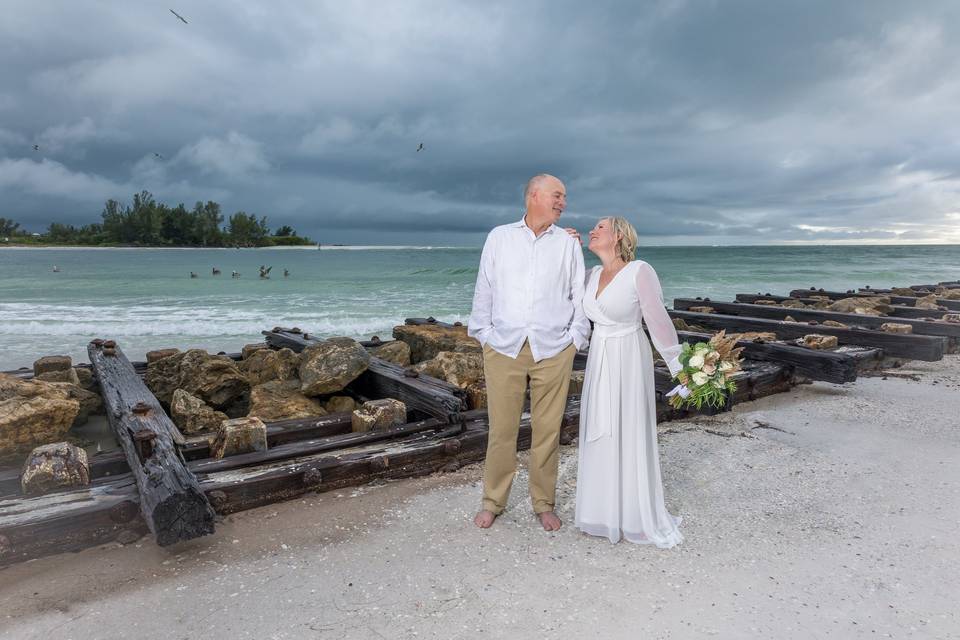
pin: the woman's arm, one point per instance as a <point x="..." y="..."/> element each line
<point x="662" y="332"/>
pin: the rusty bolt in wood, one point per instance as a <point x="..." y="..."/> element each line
<point x="458" y="324"/>
<point x="109" y="344"/>
<point x="141" y="408"/>
<point x="97" y="342"/>
<point x="276" y="330"/>
<point x="109" y="351"/>
<point x="375" y="339"/>
<point x="296" y="330"/>
<point x="410" y="373"/>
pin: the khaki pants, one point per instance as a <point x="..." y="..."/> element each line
<point x="506" y="380"/>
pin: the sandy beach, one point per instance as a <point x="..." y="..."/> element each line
<point x="823" y="512"/>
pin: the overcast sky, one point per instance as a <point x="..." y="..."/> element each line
<point x="717" y="122"/>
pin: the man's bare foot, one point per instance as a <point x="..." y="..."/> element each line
<point x="549" y="520"/>
<point x="484" y="519"/>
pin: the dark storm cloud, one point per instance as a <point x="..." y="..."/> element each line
<point x="716" y="122"/>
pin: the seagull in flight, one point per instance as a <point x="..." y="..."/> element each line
<point x="184" y="20"/>
<point x="420" y="148"/>
<point x="158" y="155"/>
<point x="36" y="147"/>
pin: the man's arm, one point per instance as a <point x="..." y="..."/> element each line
<point x="580" y="325"/>
<point x="480" y="323"/>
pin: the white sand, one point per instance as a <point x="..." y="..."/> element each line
<point x="843" y="525"/>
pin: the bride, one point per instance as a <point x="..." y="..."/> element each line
<point x="619" y="491"/>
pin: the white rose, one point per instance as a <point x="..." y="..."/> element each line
<point x="696" y="361"/>
<point x="700" y="378"/>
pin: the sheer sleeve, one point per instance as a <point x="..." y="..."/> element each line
<point x="659" y="324"/>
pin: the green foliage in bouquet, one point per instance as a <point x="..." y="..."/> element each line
<point x="707" y="371"/>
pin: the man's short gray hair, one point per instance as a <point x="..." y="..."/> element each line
<point x="534" y="183"/>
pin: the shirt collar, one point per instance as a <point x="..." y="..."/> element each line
<point x="522" y="224"/>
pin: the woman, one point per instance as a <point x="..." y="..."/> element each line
<point x="619" y="491"/>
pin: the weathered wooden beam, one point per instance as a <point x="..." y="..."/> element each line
<point x="898" y="311"/>
<point x="382" y="379"/>
<point x="31" y="527"/>
<point x="171" y="501"/>
<point x="894" y="345"/>
<point x="828" y="366"/>
<point x="906" y="301"/>
<point x="920" y="327"/>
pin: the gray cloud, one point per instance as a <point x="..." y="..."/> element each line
<point x="703" y="122"/>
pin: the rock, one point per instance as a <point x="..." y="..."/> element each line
<point x="794" y="304"/>
<point x="86" y="379"/>
<point x="754" y="336"/>
<point x="54" y="466"/>
<point x="90" y="403"/>
<point x="818" y="341"/>
<point x="951" y="317"/>
<point x="340" y="404"/>
<point x="64" y="375"/>
<point x="250" y="349"/>
<point x="903" y="291"/>
<point x="163" y="375"/>
<point x="927" y="302"/>
<point x="379" y="414"/>
<point x="460" y="369"/>
<point x="240" y="435"/>
<point x="949" y="294"/>
<point x="789" y="319"/>
<point x="192" y="415"/>
<point x="680" y="324"/>
<point x="48" y="364"/>
<point x="264" y="365"/>
<point x="282" y="399"/>
<point x="397" y="352"/>
<point x="873" y="306"/>
<point x="32" y="413"/>
<point x="896" y="327"/>
<point x="576" y="383"/>
<point x="819" y="298"/>
<point x="701" y="309"/>
<point x="477" y="395"/>
<point x="834" y="323"/>
<point x="214" y="379"/>
<point x="426" y="341"/>
<point x="766" y="303"/>
<point x="160" y="354"/>
<point x="329" y="366"/>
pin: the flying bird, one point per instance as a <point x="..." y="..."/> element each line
<point x="36" y="147"/>
<point x="179" y="16"/>
<point x="158" y="155"/>
<point x="420" y="148"/>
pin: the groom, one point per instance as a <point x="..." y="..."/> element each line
<point x="528" y="315"/>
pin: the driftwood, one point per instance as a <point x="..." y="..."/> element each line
<point x="828" y="366"/>
<point x="436" y="398"/>
<point x="920" y="327"/>
<point x="172" y="504"/>
<point x="894" y="345"/>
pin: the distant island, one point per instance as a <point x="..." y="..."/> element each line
<point x="148" y="223"/>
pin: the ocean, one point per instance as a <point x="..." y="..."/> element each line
<point x="145" y="299"/>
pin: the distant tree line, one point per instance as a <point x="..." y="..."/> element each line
<point x="147" y="222"/>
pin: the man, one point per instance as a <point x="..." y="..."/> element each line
<point x="527" y="314"/>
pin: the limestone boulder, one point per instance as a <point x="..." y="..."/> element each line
<point x="702" y="309"/>
<point x="160" y="354"/>
<point x="329" y="366"/>
<point x="793" y="304"/>
<point x="766" y="303"/>
<point x="214" y="379"/>
<point x="163" y="375"/>
<point x="576" y="382"/>
<point x="50" y="364"/>
<point x="949" y="294"/>
<point x="928" y="302"/>
<point x="951" y="317"/>
<point x="250" y="349"/>
<point x="281" y="400"/>
<point x="818" y="341"/>
<point x="903" y="291"/>
<point x="264" y="365"/>
<point x="193" y="415"/>
<point x="240" y="435"/>
<point x="460" y="369"/>
<point x="68" y="375"/>
<point x="789" y="319"/>
<point x="896" y="327"/>
<point x="681" y="325"/>
<point x="834" y="323"/>
<point x="32" y="413"/>
<point x="340" y="404"/>
<point x="90" y="403"/>
<point x="397" y="352"/>
<point x="54" y="466"/>
<point x="86" y="379"/>
<point x="754" y="336"/>
<point x="873" y="306"/>
<point x="426" y="341"/>
<point x="379" y="414"/>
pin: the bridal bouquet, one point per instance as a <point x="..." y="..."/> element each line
<point x="706" y="373"/>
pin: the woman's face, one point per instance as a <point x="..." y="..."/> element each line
<point x="602" y="238"/>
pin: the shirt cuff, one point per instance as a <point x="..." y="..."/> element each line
<point x="674" y="366"/>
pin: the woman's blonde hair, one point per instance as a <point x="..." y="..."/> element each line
<point x="626" y="247"/>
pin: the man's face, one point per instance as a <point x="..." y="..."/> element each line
<point x="551" y="200"/>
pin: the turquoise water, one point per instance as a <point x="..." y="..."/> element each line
<point x="145" y="299"/>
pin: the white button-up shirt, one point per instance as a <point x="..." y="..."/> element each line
<point x="529" y="287"/>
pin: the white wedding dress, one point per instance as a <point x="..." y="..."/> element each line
<point x="619" y="490"/>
